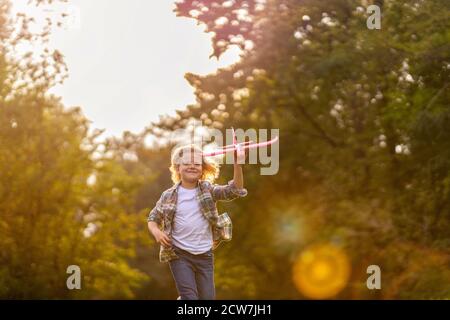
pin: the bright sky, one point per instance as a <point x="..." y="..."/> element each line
<point x="127" y="60"/>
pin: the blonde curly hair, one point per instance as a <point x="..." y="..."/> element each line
<point x="210" y="169"/>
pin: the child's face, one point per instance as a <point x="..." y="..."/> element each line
<point x="190" y="167"/>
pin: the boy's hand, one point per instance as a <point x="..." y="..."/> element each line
<point x="239" y="156"/>
<point x="162" y="238"/>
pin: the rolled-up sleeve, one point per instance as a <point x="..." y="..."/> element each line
<point x="228" y="192"/>
<point x="156" y="214"/>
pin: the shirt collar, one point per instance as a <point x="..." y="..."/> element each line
<point x="176" y="185"/>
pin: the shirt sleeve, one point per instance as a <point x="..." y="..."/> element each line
<point x="156" y="214"/>
<point x="227" y="192"/>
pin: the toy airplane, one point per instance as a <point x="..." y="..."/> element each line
<point x="238" y="146"/>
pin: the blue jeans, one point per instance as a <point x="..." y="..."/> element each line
<point x="194" y="275"/>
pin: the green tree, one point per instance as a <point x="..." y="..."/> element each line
<point x="60" y="192"/>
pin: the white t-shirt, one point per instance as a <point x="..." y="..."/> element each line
<point x="191" y="230"/>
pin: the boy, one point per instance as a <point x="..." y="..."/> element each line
<point x="186" y="223"/>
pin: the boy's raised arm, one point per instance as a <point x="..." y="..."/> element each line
<point x="238" y="176"/>
<point x="234" y="188"/>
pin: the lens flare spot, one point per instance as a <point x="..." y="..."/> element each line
<point x="321" y="271"/>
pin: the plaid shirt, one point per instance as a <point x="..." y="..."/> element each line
<point x="207" y="195"/>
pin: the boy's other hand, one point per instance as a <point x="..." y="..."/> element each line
<point x="162" y="238"/>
